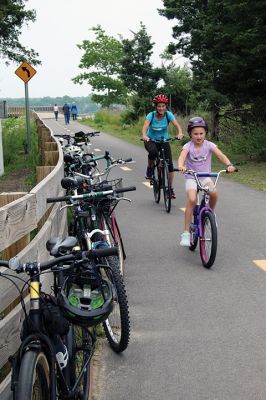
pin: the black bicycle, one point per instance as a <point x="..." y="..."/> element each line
<point x="160" y="175"/>
<point x="59" y="331"/>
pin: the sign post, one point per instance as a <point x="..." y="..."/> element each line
<point x="25" y="72"/>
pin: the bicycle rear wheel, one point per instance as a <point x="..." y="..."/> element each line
<point x="156" y="181"/>
<point x="34" y="378"/>
<point x="117" y="325"/>
<point x="78" y="342"/>
<point x="208" y="241"/>
<point x="166" y="188"/>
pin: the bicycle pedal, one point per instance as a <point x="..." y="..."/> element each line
<point x="151" y="183"/>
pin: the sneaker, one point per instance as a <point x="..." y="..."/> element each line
<point x="173" y="195"/>
<point x="185" y="239"/>
<point x="148" y="173"/>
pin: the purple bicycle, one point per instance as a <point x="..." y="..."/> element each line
<point x="204" y="226"/>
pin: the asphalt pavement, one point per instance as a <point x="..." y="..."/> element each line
<point x="196" y="334"/>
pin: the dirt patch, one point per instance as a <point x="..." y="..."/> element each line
<point x="15" y="181"/>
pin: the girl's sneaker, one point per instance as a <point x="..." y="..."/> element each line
<point x="185" y="239"/>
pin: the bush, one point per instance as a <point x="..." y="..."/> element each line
<point x="14" y="144"/>
<point x="251" y="143"/>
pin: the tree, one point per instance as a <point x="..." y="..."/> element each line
<point x="225" y="41"/>
<point x="178" y="85"/>
<point x="137" y="72"/>
<point x="101" y="59"/>
<point x="12" y="16"/>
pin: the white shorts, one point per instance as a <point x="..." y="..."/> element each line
<point x="191" y="184"/>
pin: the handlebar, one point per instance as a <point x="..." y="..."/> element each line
<point x="32" y="267"/>
<point x="90" y="195"/>
<point x="162" y="140"/>
<point x="198" y="175"/>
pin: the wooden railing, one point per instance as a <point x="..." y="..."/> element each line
<point x="21" y="214"/>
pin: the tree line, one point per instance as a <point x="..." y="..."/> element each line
<point x="224" y="41"/>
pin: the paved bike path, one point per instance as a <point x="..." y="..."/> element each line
<point x="196" y="334"/>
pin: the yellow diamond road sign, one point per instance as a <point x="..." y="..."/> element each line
<point x="25" y="71"/>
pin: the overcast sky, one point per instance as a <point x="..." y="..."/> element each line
<point x="62" y="24"/>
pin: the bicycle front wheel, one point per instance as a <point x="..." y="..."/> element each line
<point x="34" y="377"/>
<point x="208" y="241"/>
<point x="79" y="347"/>
<point x="117" y="325"/>
<point x="156" y="181"/>
<point x="166" y="188"/>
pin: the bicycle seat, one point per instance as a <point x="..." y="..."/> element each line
<point x="58" y="246"/>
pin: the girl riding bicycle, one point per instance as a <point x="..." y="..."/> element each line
<point x="156" y="127"/>
<point x="196" y="155"/>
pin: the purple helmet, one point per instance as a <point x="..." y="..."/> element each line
<point x="197" y="122"/>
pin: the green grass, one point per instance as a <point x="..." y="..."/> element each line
<point x="14" y="149"/>
<point x="250" y="173"/>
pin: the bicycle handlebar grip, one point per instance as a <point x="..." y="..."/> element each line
<point x="57" y="199"/>
<point x="126" y="189"/>
<point x="104" y="252"/>
<point x="128" y="160"/>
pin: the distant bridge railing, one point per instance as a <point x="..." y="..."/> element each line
<point x="19" y="111"/>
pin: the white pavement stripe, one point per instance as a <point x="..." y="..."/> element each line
<point x="97" y="150"/>
<point x="126" y="169"/>
<point x="261" y="264"/>
<point x="147" y="184"/>
<point x="183" y="209"/>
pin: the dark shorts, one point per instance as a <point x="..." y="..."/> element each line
<point x="153" y="150"/>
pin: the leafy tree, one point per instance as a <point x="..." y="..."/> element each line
<point x="178" y="86"/>
<point x="12" y="16"/>
<point x="137" y="72"/>
<point x="225" y="41"/>
<point x="101" y="60"/>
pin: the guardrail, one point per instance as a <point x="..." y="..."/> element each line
<point x="20" y="214"/>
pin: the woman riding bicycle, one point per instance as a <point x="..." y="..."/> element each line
<point x="196" y="155"/>
<point x="156" y="127"/>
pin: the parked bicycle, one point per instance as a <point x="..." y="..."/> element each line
<point x="58" y="336"/>
<point x="203" y="229"/>
<point x="101" y="211"/>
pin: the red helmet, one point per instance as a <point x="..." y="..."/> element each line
<point x="160" y="98"/>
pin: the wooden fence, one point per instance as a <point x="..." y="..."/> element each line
<point x="21" y="215"/>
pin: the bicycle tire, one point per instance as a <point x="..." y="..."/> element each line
<point x="34" y="378"/>
<point x="78" y="344"/>
<point x="166" y="188"/>
<point x="156" y="182"/>
<point x="115" y="233"/>
<point x="117" y="325"/>
<point x="209" y="235"/>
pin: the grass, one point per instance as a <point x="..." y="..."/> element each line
<point x="14" y="149"/>
<point x="250" y="173"/>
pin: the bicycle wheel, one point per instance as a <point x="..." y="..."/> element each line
<point x="117" y="325"/>
<point x="156" y="182"/>
<point x="34" y="379"/>
<point x="114" y="239"/>
<point x="166" y="188"/>
<point x="208" y="241"/>
<point x="78" y="342"/>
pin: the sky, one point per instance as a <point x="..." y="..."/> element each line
<point x="61" y="25"/>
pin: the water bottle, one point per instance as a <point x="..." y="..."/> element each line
<point x="61" y="351"/>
